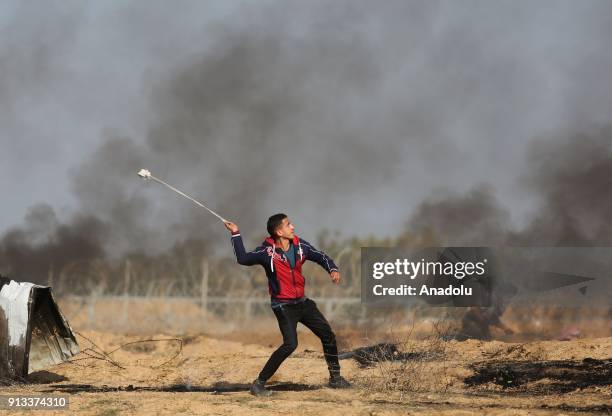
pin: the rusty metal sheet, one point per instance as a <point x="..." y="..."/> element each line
<point x="33" y="332"/>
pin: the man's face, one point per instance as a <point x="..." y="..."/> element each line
<point x="286" y="229"/>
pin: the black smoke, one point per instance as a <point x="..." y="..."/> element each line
<point x="570" y="178"/>
<point x="319" y="109"/>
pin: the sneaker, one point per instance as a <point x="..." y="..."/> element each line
<point x="338" y="382"/>
<point x="258" y="388"/>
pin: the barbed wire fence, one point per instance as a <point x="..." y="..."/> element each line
<point x="199" y="287"/>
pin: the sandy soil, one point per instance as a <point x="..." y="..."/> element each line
<point x="212" y="376"/>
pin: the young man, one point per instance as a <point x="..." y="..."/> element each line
<point x="282" y="256"/>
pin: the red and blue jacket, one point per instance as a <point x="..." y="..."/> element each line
<point x="284" y="282"/>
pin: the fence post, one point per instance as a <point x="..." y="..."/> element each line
<point x="204" y="286"/>
<point x="91" y="309"/>
<point x="328" y="308"/>
<point x="126" y="290"/>
<point x="50" y="276"/>
<point x="247" y="310"/>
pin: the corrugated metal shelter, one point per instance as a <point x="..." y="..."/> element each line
<point x="34" y="334"/>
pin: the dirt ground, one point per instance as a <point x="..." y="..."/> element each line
<point x="211" y="376"/>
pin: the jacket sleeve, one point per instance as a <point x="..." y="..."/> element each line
<point x="319" y="257"/>
<point x="246" y="258"/>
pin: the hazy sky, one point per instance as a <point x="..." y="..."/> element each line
<point x="345" y="114"/>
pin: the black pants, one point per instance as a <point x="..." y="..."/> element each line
<point x="308" y="314"/>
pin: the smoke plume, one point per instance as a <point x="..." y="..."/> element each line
<point x="344" y="115"/>
<point x="569" y="176"/>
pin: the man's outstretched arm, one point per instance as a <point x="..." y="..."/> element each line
<point x="242" y="256"/>
<point x="322" y="260"/>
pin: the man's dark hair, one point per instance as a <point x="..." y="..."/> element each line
<point x="274" y="222"/>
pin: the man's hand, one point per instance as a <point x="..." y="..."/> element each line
<point x="335" y="276"/>
<point x="231" y="226"/>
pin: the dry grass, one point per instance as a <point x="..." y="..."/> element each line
<point x="418" y="365"/>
